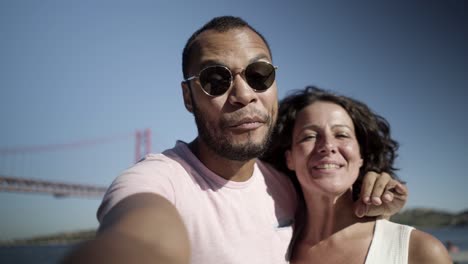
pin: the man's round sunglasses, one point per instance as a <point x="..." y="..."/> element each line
<point x="217" y="79"/>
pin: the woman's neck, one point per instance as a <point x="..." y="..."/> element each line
<point x="327" y="215"/>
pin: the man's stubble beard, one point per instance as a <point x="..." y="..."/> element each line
<point x="220" y="144"/>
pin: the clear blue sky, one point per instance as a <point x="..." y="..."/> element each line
<point x="75" y="70"/>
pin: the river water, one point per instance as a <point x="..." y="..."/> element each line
<point x="53" y="253"/>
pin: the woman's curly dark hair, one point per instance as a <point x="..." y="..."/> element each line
<point x="378" y="149"/>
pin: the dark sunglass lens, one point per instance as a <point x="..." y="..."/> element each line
<point x="215" y="80"/>
<point x="260" y="75"/>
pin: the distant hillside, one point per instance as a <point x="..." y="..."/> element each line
<point x="422" y="217"/>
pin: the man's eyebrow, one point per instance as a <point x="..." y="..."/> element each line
<point x="212" y="62"/>
<point x="208" y="63"/>
<point x="260" y="57"/>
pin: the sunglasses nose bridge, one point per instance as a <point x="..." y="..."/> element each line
<point x="240" y="73"/>
<point x="237" y="71"/>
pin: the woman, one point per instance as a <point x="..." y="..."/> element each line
<point x="326" y="143"/>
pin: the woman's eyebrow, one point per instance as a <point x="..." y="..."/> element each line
<point x="342" y="126"/>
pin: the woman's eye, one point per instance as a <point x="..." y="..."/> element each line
<point x="342" y="135"/>
<point x="308" y="137"/>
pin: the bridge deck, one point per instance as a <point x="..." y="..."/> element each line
<point x="57" y="189"/>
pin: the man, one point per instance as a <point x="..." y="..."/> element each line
<point x="212" y="201"/>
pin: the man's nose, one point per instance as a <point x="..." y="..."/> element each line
<point x="241" y="93"/>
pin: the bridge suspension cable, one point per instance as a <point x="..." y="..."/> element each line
<point x="9" y="183"/>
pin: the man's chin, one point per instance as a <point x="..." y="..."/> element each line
<point x="247" y="150"/>
<point x="248" y="144"/>
<point x="255" y="137"/>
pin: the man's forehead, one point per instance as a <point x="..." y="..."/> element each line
<point x="228" y="34"/>
<point x="213" y="47"/>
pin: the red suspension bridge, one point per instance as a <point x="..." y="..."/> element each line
<point x="9" y="183"/>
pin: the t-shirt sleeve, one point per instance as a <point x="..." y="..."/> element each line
<point x="150" y="175"/>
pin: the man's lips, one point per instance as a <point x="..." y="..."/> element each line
<point x="247" y="121"/>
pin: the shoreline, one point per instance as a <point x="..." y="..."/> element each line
<point x="64" y="238"/>
<point x="460" y="257"/>
<point x="47" y="244"/>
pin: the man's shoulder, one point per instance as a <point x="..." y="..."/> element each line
<point x="153" y="163"/>
<point x="168" y="158"/>
<point x="269" y="171"/>
<point x="276" y="181"/>
<point x="159" y="173"/>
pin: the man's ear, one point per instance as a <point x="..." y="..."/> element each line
<point x="187" y="96"/>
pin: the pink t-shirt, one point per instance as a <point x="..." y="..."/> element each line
<point x="228" y="222"/>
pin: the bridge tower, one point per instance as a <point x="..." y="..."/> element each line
<point x="142" y="144"/>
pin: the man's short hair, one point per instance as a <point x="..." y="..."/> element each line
<point x="219" y="24"/>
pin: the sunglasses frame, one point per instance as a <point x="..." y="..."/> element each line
<point x="193" y="77"/>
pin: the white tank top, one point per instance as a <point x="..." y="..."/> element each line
<point x="390" y="243"/>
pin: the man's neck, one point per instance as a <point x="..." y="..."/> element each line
<point x="231" y="170"/>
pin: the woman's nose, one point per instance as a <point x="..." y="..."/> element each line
<point x="327" y="146"/>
